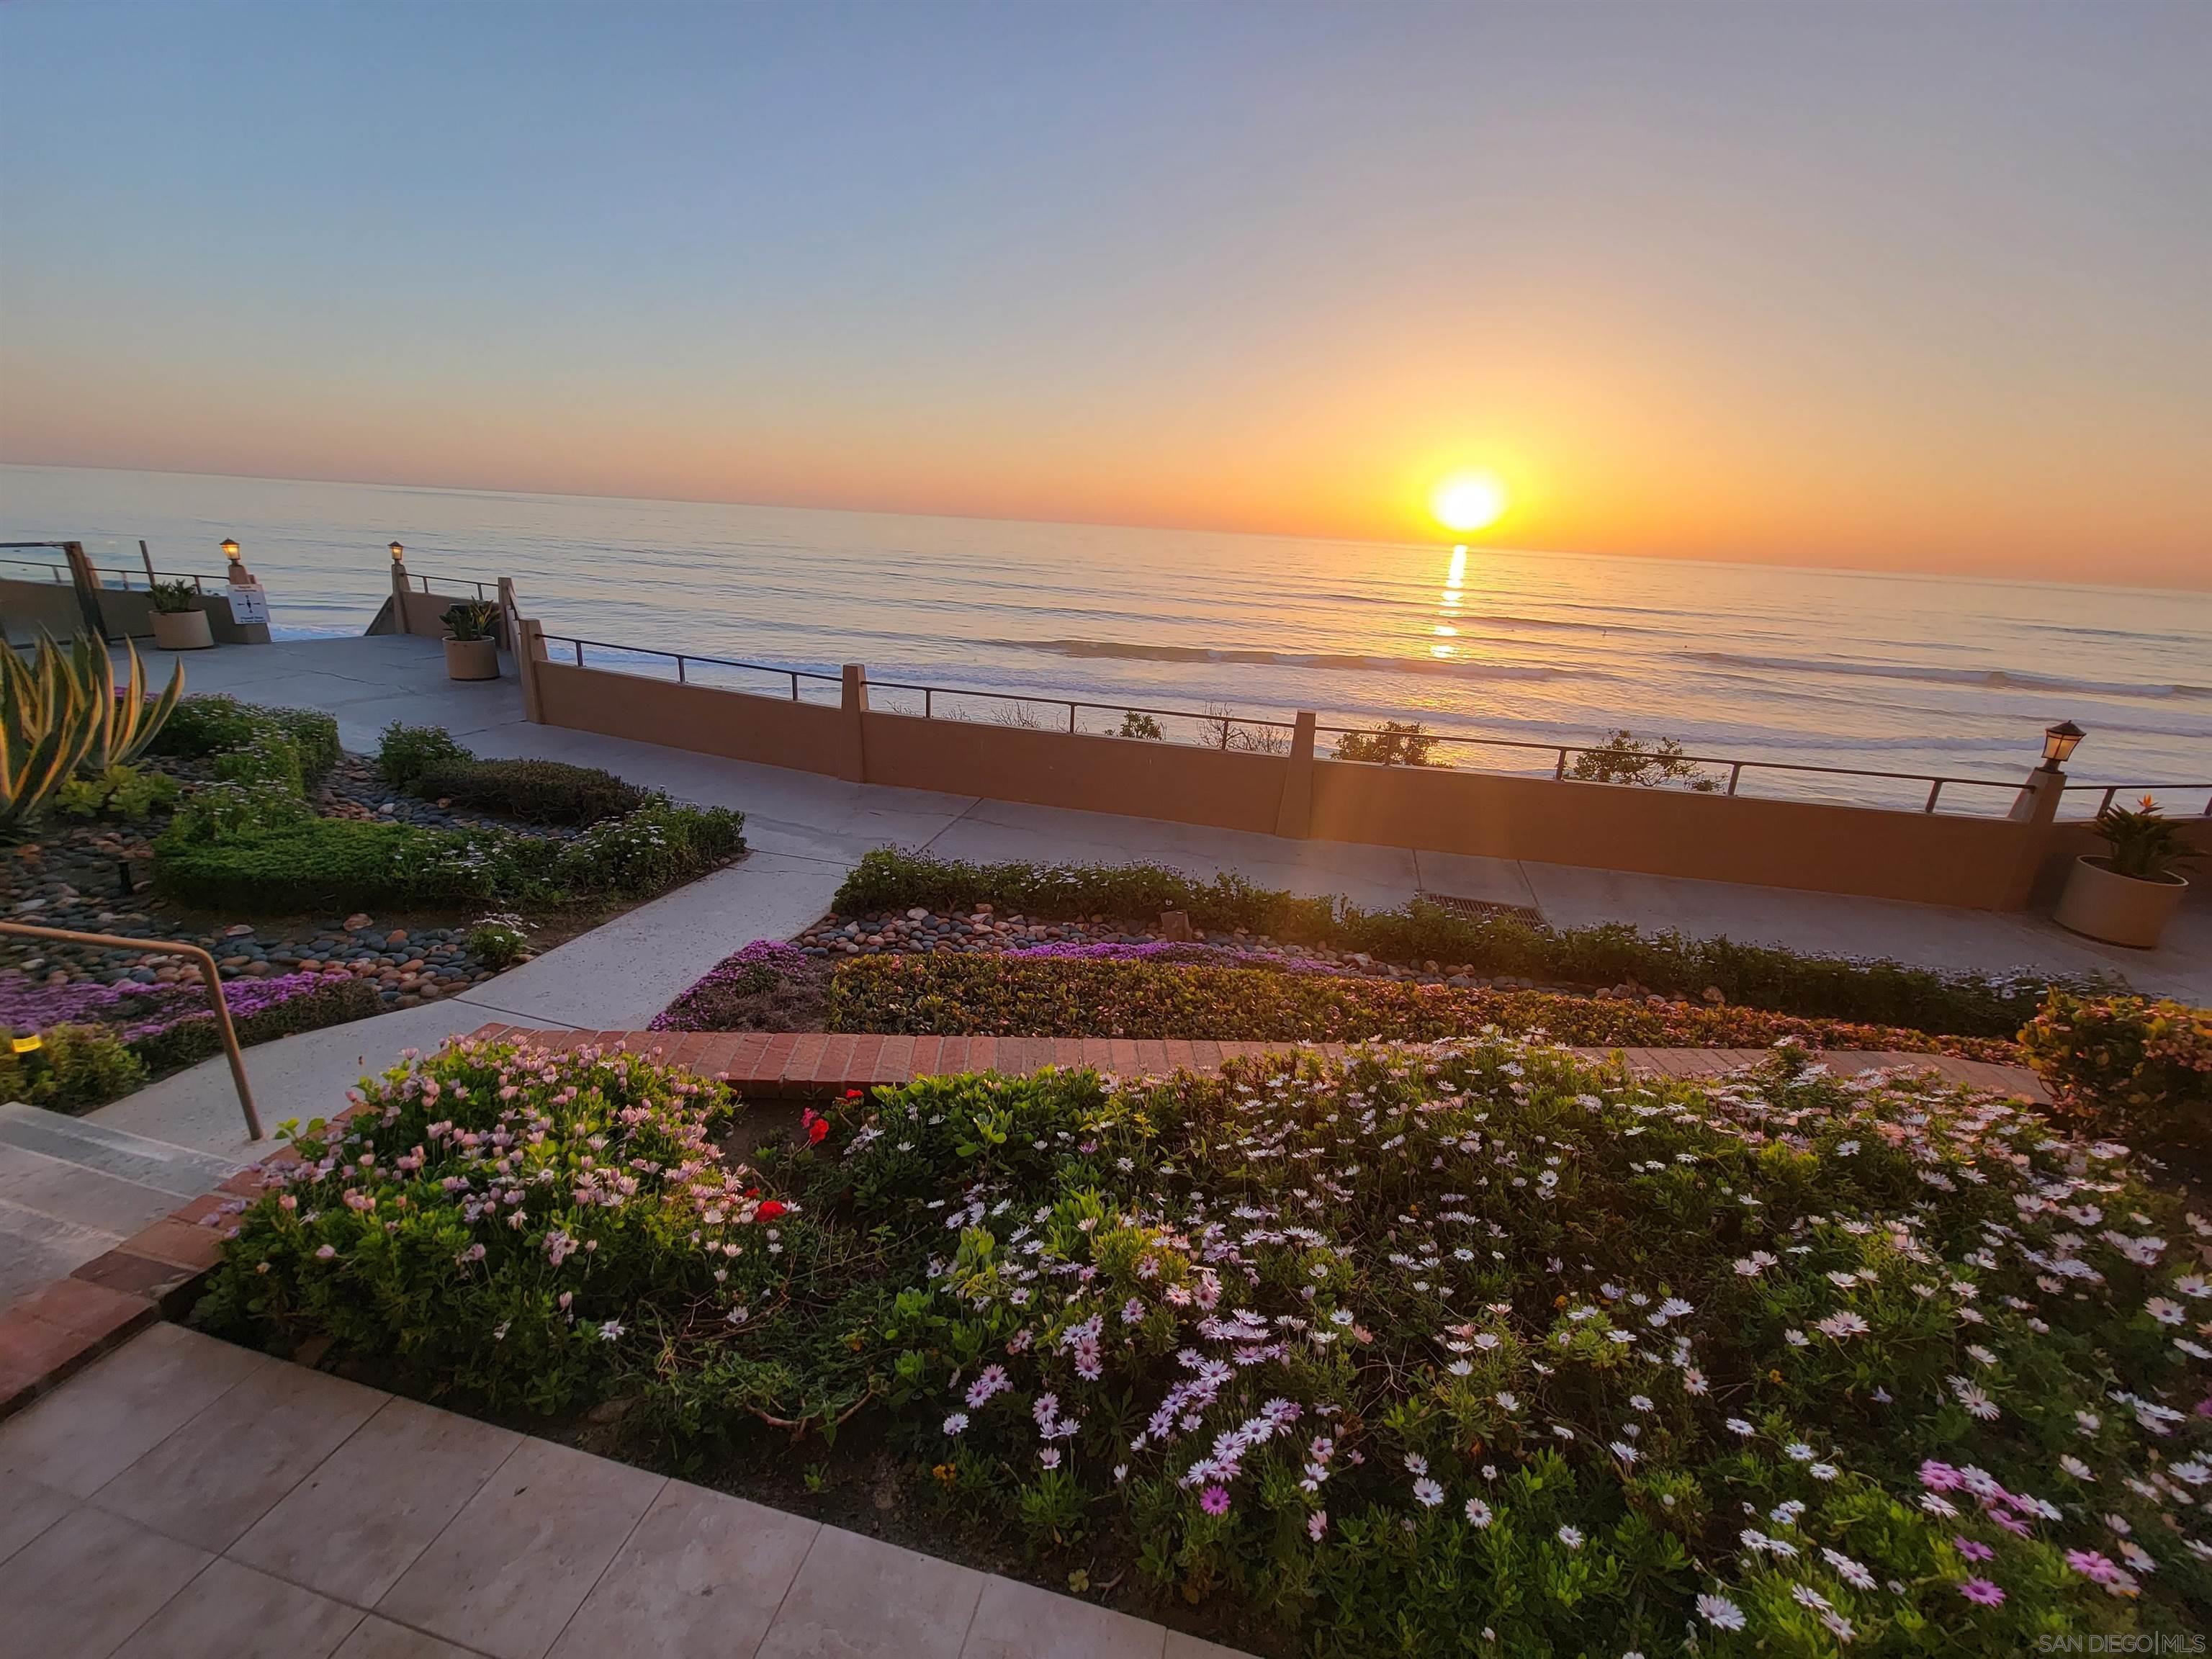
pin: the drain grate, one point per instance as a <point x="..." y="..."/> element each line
<point x="1479" y="909"/>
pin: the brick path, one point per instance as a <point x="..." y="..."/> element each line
<point x="812" y="1064"/>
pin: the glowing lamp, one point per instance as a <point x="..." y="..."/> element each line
<point x="397" y="553"/>
<point x="230" y="550"/>
<point x="2059" y="743"/>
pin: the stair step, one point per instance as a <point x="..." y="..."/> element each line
<point x="70" y="1192"/>
<point x="180" y="1171"/>
<point x="36" y="1248"/>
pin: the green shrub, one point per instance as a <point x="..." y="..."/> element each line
<point x="304" y="743"/>
<point x="535" y="791"/>
<point x="498" y="940"/>
<point x="1372" y="1356"/>
<point x="122" y="791"/>
<point x="322" y="864"/>
<point x="335" y="1003"/>
<point x="75" y="1068"/>
<point x="2126" y="1066"/>
<point x="271" y="758"/>
<point x="232" y="811"/>
<point x="1765" y="977"/>
<point x="406" y="752"/>
<point x="276" y="866"/>
<point x="992" y="996"/>
<point x="1394" y="743"/>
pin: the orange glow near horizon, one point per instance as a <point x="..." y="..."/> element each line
<point x="1468" y="501"/>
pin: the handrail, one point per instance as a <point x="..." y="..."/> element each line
<point x="60" y="572"/>
<point x="1226" y="721"/>
<point x="208" y="972"/>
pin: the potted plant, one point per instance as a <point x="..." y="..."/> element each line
<point x="180" y="621"/>
<point x="471" y="651"/>
<point x="2127" y="895"/>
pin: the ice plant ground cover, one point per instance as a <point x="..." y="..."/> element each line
<point x="1464" y="1348"/>
<point x="1029" y="994"/>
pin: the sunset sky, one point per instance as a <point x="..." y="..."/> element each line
<point x="1915" y="288"/>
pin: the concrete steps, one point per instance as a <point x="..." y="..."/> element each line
<point x="71" y="1190"/>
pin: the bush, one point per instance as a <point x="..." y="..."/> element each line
<point x="408" y="752"/>
<point x="322" y="864"/>
<point x="276" y="866"/>
<point x="498" y="941"/>
<point x="1765" y="977"/>
<point x="1373" y="1356"/>
<point x="271" y="758"/>
<point x="1394" y="743"/>
<point x="1624" y="758"/>
<point x="221" y="725"/>
<point x="2126" y="1066"/>
<point x="75" y="1068"/>
<point x="987" y="995"/>
<point x="535" y="791"/>
<point x="232" y="811"/>
<point x="122" y="791"/>
<point x="767" y="987"/>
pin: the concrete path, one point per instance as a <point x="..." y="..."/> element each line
<point x="184" y="1498"/>
<point x="366" y="683"/>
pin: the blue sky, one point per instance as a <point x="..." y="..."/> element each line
<point x="1914" y="286"/>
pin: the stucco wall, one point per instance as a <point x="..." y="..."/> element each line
<point x="1927" y="858"/>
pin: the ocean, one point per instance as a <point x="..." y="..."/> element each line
<point x="1940" y="675"/>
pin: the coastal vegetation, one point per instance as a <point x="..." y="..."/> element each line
<point x="1769" y="977"/>
<point x="1465" y="1348"/>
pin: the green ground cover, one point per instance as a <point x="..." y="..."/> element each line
<point x="1471" y="1350"/>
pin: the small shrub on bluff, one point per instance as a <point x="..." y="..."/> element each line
<point x="2127" y="1066"/>
<point x="1038" y="996"/>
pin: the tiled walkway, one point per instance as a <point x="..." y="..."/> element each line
<point x="184" y="1498"/>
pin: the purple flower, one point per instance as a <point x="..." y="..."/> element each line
<point x="135" y="1010"/>
<point x="1973" y="1549"/>
<point x="1982" y="1592"/>
<point x="1214" y="1500"/>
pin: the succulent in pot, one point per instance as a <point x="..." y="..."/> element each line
<point x="180" y="620"/>
<point x="471" y="643"/>
<point x="2127" y="894"/>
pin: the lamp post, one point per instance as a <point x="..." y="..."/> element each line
<point x="239" y="574"/>
<point x="2059" y="743"/>
<point x="398" y="553"/>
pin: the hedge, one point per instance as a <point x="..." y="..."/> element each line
<point x="1761" y="975"/>
<point x="2127" y="1066"/>
<point x="979" y="996"/>
<point x="191" y="1039"/>
<point x="535" y="791"/>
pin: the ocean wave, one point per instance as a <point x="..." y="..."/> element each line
<point x="1994" y="679"/>
<point x="1125" y="652"/>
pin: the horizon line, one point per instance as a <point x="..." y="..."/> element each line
<point x="1443" y="539"/>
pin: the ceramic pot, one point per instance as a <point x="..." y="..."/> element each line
<point x="471" y="659"/>
<point x="2115" y="909"/>
<point x="182" y="630"/>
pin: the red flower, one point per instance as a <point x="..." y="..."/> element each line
<point x="768" y="1211"/>
<point x="852" y="1094"/>
<point x="819" y="1131"/>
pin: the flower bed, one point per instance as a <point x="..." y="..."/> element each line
<point x="1472" y="1349"/>
<point x="889" y="881"/>
<point x="166" y="1026"/>
<point x="978" y="996"/>
<point x="767" y="987"/>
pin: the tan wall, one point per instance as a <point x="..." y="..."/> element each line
<point x="806" y="737"/>
<point x="28" y="607"/>
<point x="1176" y="781"/>
<point x="1926" y="858"/>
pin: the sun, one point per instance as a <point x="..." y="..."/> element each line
<point x="1468" y="501"/>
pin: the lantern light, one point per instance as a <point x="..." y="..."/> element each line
<point x="2059" y="743"/>
<point x="230" y="550"/>
<point x="397" y="553"/>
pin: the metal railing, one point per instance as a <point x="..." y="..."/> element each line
<point x="422" y="584"/>
<point x="60" y="574"/>
<point x="208" y="973"/>
<point x="1226" y="729"/>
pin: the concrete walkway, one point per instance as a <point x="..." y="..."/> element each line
<point x="184" y="1498"/>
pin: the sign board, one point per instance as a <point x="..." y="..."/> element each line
<point x="249" y="602"/>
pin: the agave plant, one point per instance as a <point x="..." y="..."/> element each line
<point x="60" y="714"/>
<point x="129" y="722"/>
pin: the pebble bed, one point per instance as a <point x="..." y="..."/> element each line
<point x="982" y="931"/>
<point x="73" y="877"/>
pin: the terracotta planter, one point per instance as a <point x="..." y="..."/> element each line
<point x="182" y="630"/>
<point x="471" y="659"/>
<point x="2118" y="909"/>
